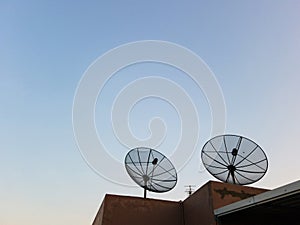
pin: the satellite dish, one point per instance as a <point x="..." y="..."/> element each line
<point x="151" y="170"/>
<point x="234" y="159"/>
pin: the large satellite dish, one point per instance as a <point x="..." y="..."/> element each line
<point x="151" y="170"/>
<point x="234" y="159"/>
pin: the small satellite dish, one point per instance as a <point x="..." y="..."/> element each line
<point x="151" y="170"/>
<point x="234" y="159"/>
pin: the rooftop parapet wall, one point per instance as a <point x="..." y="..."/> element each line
<point x="123" y="210"/>
<point x="99" y="215"/>
<point x="194" y="210"/>
<point x="225" y="194"/>
<point x="201" y="204"/>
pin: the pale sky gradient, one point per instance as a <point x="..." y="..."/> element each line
<point x="252" y="47"/>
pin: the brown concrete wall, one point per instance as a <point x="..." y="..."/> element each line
<point x="198" y="208"/>
<point x="224" y="193"/>
<point x="123" y="210"/>
<point x="99" y="215"/>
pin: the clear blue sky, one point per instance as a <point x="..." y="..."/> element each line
<point x="253" y="48"/>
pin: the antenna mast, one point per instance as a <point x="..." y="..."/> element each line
<point x="189" y="189"/>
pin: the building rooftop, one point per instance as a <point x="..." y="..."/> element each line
<point x="198" y="207"/>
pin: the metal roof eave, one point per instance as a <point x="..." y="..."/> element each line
<point x="268" y="196"/>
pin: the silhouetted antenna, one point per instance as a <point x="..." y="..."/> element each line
<point x="234" y="159"/>
<point x="189" y="189"/>
<point x="150" y="169"/>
